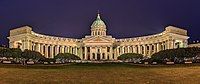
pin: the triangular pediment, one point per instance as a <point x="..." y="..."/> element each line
<point x="98" y="40"/>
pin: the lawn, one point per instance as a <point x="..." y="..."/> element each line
<point x="99" y="74"/>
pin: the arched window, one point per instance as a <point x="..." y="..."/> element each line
<point x="93" y="54"/>
<point x="103" y="55"/>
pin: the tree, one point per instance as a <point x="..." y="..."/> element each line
<point x="5" y="52"/>
<point x="28" y="54"/>
<point x="67" y="56"/>
<point x="130" y="56"/>
<point x="16" y="52"/>
<point x="174" y="54"/>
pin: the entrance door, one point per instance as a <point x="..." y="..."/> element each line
<point x="98" y="56"/>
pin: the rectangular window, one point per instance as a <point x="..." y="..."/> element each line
<point x="88" y="49"/>
<point x="108" y="49"/>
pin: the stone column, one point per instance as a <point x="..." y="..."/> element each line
<point x="117" y="51"/>
<point x="46" y="51"/>
<point x="123" y="51"/>
<point x="171" y="44"/>
<point x="114" y="53"/>
<point x="38" y="47"/>
<point x="35" y="46"/>
<point x="134" y="49"/>
<point x="26" y="44"/>
<point x="158" y="47"/>
<point x="91" y="57"/>
<point x="68" y="49"/>
<point x="85" y="53"/>
<point x="106" y="53"/>
<point x="71" y="49"/>
<point x="23" y="45"/>
<point x="62" y="49"/>
<point x="80" y="52"/>
<point x="150" y="49"/>
<point x="111" y="52"/>
<point x="42" y="49"/>
<point x="30" y="45"/>
<point x="51" y="51"/>
<point x="145" y="50"/>
<point x="57" y="49"/>
<point x="161" y="46"/>
<point x="128" y="49"/>
<point x="155" y="48"/>
<point x="139" y="49"/>
<point x="100" y="53"/>
<point x="76" y="50"/>
<point x="96" y="52"/>
<point x="168" y="44"/>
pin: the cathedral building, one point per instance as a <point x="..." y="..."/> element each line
<point x="98" y="45"/>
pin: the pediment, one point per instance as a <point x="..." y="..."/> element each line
<point x="98" y="40"/>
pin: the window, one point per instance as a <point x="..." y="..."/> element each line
<point x="103" y="56"/>
<point x="83" y="49"/>
<point x="147" y="47"/>
<point x="88" y="49"/>
<point x="93" y="54"/>
<point x="83" y="56"/>
<point x="88" y="56"/>
<point x="18" y="46"/>
<point x="108" y="49"/>
<point x="177" y="44"/>
<point x="152" y="47"/>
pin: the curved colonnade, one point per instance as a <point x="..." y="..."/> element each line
<point x="108" y="48"/>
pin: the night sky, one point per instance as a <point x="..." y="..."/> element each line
<point x="124" y="18"/>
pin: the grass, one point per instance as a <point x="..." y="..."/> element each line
<point x="99" y="74"/>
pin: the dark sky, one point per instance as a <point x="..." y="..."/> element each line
<point x="124" y="18"/>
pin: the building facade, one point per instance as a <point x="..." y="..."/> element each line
<point x="197" y="44"/>
<point x="98" y="45"/>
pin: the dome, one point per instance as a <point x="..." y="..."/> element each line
<point x="98" y="23"/>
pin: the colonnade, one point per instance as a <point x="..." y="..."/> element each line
<point x="49" y="50"/>
<point x="108" y="52"/>
<point x="98" y="53"/>
<point x="98" y="32"/>
<point x="145" y="49"/>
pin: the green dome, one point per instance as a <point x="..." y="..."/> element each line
<point x="98" y="23"/>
